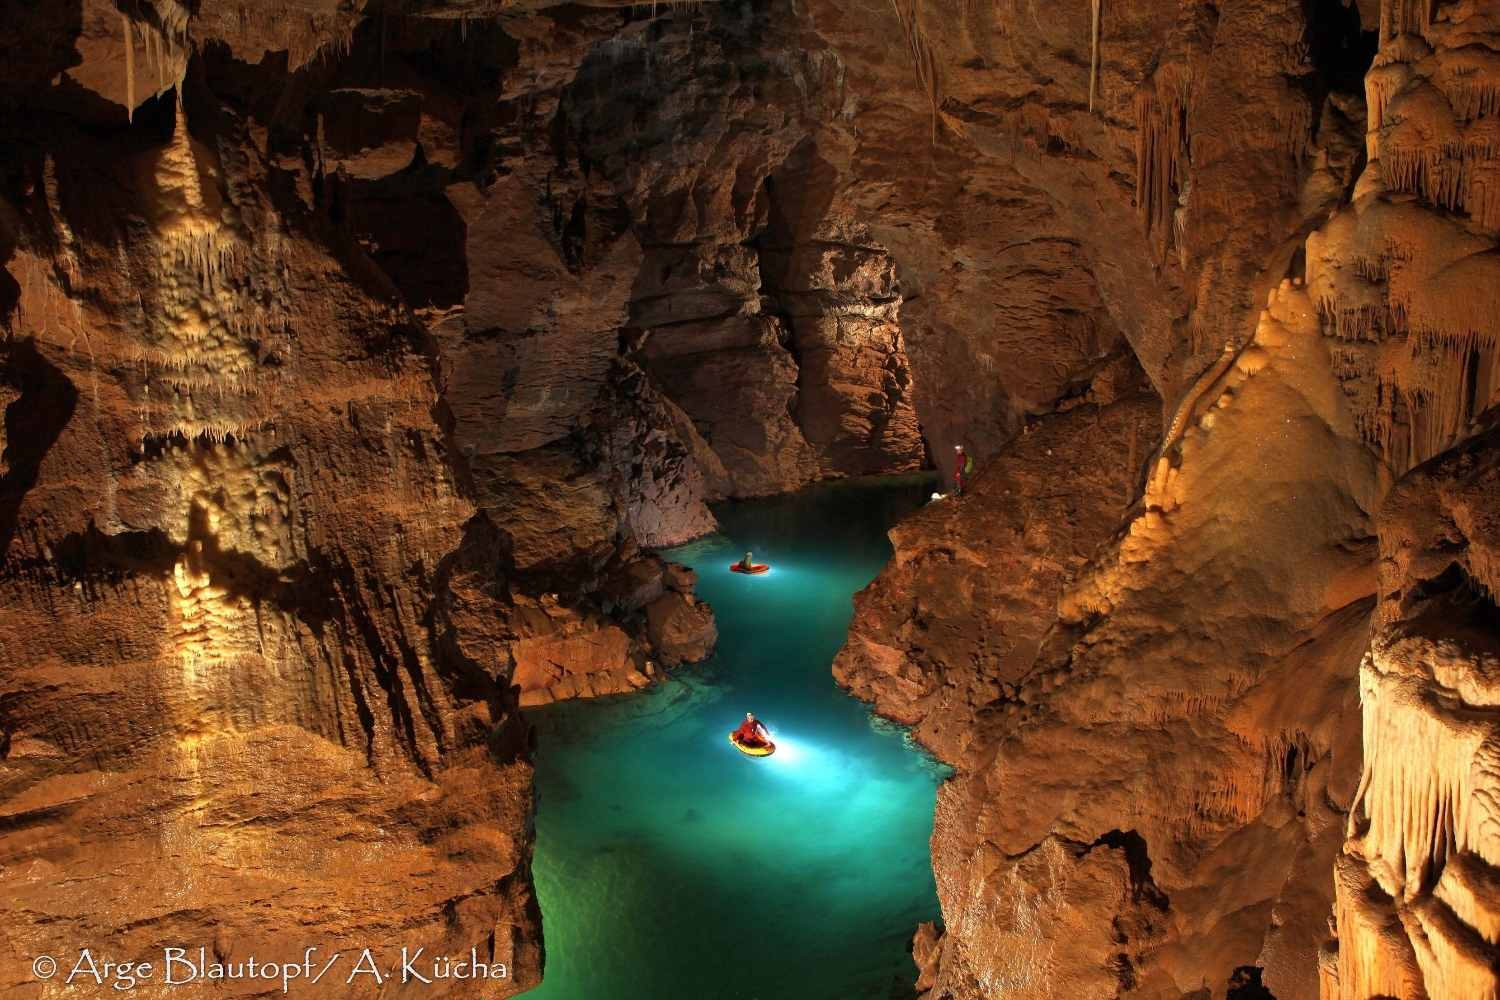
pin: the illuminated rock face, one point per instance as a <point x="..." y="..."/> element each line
<point x="1416" y="903"/>
<point x="1180" y="659"/>
<point x="356" y="361"/>
<point x="330" y="441"/>
<point x="1406" y="272"/>
<point x="226" y="691"/>
<point x="1156" y="724"/>
<point x="1416" y="882"/>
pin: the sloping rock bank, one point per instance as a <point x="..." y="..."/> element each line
<point x="1219" y="700"/>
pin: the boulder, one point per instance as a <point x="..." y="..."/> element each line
<point x="681" y="628"/>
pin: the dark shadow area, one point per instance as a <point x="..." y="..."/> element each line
<point x="413" y="233"/>
<point x="1341" y="51"/>
<point x="1138" y="858"/>
<point x="37" y="41"/>
<point x="32" y="426"/>
<point x="94" y="555"/>
<point x="1245" y="985"/>
<point x="1136" y="854"/>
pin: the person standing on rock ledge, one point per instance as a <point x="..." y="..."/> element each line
<point x="964" y="466"/>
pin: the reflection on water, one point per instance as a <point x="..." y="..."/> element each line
<point x="672" y="867"/>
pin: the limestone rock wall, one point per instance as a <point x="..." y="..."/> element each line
<point x="230" y="502"/>
<point x="958" y="617"/>
<point x="1415" y="881"/>
<point x="338" y="427"/>
<point x="1185" y="684"/>
<point x="265" y="613"/>
<point x="357" y="357"/>
<point x="1403" y="273"/>
<point x="1175" y="699"/>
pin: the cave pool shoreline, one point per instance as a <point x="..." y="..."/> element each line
<point x="670" y="866"/>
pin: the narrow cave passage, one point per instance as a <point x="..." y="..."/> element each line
<point x="670" y="866"/>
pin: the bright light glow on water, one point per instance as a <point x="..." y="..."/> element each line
<point x="669" y="865"/>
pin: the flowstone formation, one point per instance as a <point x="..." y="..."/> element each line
<point x="350" y="381"/>
<point x="359" y="355"/>
<point x="1218" y="703"/>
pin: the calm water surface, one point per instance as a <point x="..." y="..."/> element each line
<point x="672" y="867"/>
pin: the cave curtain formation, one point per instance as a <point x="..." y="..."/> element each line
<point x="359" y="354"/>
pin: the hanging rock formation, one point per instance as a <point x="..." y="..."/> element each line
<point x="1190" y="691"/>
<point x="358" y="356"/>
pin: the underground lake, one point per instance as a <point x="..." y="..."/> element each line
<point x="671" y="866"/>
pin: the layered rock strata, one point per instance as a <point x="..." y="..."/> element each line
<point x="358" y="357"/>
<point x="1190" y="691"/>
<point x="228" y="508"/>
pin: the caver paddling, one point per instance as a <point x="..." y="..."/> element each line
<point x="749" y="565"/>
<point x="753" y="738"/>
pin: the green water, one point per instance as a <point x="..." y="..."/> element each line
<point x="672" y="867"/>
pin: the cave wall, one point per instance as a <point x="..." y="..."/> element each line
<point x="339" y="426"/>
<point x="1219" y="704"/>
<point x="357" y="356"/>
<point x="228" y="511"/>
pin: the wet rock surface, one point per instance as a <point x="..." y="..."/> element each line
<point x="357" y="358"/>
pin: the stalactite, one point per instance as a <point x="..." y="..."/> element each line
<point x="305" y="35"/>
<point x="1416" y="911"/>
<point x="1375" y="958"/>
<point x="1398" y="17"/>
<point x="924" y="58"/>
<point x="1163" y="141"/>
<point x="1453" y="964"/>
<point x="1425" y="148"/>
<point x="1094" y="53"/>
<point x="1180" y="237"/>
<point x="1420" y="787"/>
<point x="1470" y="78"/>
<point x="129" y="69"/>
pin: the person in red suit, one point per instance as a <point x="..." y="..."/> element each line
<point x="964" y="466"/>
<point x="751" y="732"/>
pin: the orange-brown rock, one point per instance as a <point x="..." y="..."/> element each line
<point x="230" y="506"/>
<point x="955" y="622"/>
<point x="681" y="628"/>
<point x="357" y="357"/>
<point x="1178" y="694"/>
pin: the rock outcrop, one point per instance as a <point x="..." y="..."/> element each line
<point x="959" y="615"/>
<point x="1190" y="691"/>
<point x="560" y="653"/>
<point x="358" y="356"/>
<point x="1173" y="714"/>
<point x="230" y="504"/>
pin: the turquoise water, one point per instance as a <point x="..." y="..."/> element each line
<point x="669" y="865"/>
